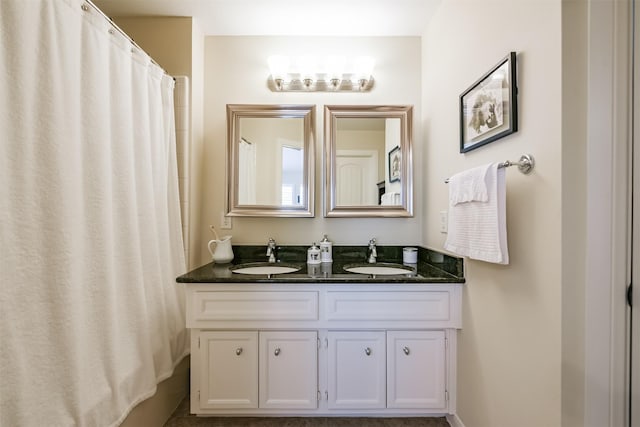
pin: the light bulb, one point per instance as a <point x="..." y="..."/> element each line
<point x="279" y="68"/>
<point x="334" y="69"/>
<point x="307" y="66"/>
<point x="363" y="70"/>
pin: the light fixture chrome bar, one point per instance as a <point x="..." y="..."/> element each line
<point x="320" y="85"/>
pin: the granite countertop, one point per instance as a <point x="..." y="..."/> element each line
<point x="432" y="267"/>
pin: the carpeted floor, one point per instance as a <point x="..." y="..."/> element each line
<point x="182" y="418"/>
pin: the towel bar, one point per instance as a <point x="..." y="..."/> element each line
<point x="525" y="164"/>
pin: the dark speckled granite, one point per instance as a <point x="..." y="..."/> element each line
<point x="432" y="267"/>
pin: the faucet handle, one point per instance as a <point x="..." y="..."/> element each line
<point x="271" y="250"/>
<point x="372" y="252"/>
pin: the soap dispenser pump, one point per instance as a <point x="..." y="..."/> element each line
<point x="313" y="254"/>
<point x="326" y="253"/>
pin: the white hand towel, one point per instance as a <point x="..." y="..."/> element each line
<point x="390" y="199"/>
<point x="469" y="186"/>
<point x="478" y="229"/>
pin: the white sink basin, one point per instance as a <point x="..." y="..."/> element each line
<point x="379" y="269"/>
<point x="264" y="268"/>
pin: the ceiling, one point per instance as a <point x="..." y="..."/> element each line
<point x="288" y="17"/>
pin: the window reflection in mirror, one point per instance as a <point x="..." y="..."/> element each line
<point x="367" y="173"/>
<point x="292" y="187"/>
<point x="270" y="160"/>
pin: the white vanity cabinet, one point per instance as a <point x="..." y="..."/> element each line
<point x="238" y="367"/>
<point x="392" y="369"/>
<point x="228" y="363"/>
<point x="416" y="377"/>
<point x="357" y="370"/>
<point x="323" y="348"/>
<point x="288" y="370"/>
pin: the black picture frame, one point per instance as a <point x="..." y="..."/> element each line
<point x="395" y="164"/>
<point x="489" y="107"/>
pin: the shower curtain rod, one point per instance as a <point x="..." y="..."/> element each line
<point x="115" y="26"/>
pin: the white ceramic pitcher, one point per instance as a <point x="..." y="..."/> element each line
<point x="223" y="252"/>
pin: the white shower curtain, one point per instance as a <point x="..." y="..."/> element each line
<point x="91" y="318"/>
<point x="247" y="173"/>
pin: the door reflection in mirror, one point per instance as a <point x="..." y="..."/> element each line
<point x="356" y="177"/>
<point x="247" y="173"/>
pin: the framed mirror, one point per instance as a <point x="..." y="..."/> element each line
<point x="368" y="164"/>
<point x="270" y="158"/>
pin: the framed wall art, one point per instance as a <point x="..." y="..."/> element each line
<point x="395" y="164"/>
<point x="489" y="107"/>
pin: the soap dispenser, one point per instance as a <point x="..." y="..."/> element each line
<point x="326" y="253"/>
<point x="313" y="254"/>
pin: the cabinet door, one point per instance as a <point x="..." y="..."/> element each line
<point x="357" y="370"/>
<point x="416" y="369"/>
<point x="229" y="362"/>
<point x="289" y="370"/>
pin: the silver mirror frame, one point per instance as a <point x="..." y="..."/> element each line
<point x="235" y="112"/>
<point x="331" y="114"/>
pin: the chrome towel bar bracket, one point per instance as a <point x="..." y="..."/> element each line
<point x="525" y="164"/>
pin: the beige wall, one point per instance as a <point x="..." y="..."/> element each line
<point x="509" y="350"/>
<point x="236" y="73"/>
<point x="166" y="39"/>
<point x="574" y="241"/>
<point x="197" y="142"/>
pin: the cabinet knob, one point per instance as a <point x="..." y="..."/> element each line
<point x="277" y="351"/>
<point x="238" y="351"/>
<point x="406" y="350"/>
<point x="367" y="351"/>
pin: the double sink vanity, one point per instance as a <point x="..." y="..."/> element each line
<point x="363" y="335"/>
<point x="320" y="340"/>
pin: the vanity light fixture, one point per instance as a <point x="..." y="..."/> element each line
<point x="307" y="74"/>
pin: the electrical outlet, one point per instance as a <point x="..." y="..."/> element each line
<point x="225" y="221"/>
<point x="443" y="221"/>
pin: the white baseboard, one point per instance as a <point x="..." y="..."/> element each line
<point x="455" y="421"/>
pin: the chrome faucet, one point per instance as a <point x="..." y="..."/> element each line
<point x="272" y="250"/>
<point x="372" y="252"/>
